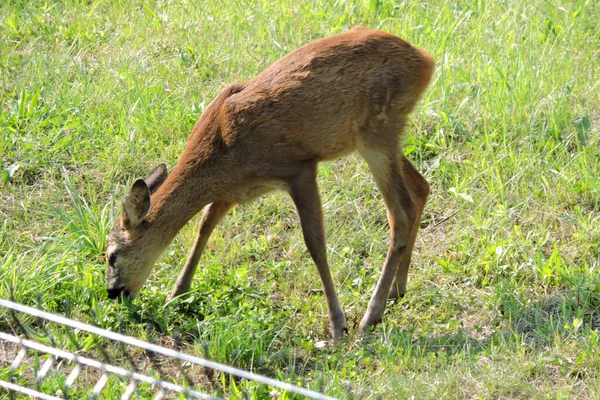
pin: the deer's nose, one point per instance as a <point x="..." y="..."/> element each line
<point x="113" y="293"/>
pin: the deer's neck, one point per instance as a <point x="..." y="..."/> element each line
<point x="192" y="185"/>
<point x="179" y="198"/>
<point x="196" y="180"/>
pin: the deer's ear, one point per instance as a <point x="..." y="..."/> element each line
<point x="157" y="177"/>
<point x="136" y="204"/>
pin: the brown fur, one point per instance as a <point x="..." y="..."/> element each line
<point x="352" y="91"/>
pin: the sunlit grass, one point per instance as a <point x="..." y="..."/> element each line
<point x="504" y="293"/>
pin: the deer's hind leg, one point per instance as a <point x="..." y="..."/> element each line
<point x="385" y="161"/>
<point x="419" y="191"/>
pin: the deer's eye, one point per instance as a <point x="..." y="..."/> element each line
<point x="112" y="260"/>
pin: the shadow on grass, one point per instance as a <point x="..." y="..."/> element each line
<point x="526" y="327"/>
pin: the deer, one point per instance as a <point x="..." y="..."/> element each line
<point x="349" y="92"/>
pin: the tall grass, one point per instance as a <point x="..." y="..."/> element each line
<point x="504" y="293"/>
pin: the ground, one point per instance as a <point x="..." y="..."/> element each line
<point x="504" y="293"/>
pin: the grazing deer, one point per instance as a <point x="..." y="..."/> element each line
<point x="351" y="91"/>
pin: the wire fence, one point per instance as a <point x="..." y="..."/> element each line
<point x="60" y="359"/>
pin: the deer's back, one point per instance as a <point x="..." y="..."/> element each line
<point x="314" y="102"/>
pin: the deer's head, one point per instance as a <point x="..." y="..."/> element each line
<point x="131" y="251"/>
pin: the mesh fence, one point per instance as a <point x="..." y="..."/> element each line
<point x="48" y="356"/>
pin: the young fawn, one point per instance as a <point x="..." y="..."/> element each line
<point x="351" y="91"/>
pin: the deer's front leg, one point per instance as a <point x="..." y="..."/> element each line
<point x="211" y="216"/>
<point x="305" y="193"/>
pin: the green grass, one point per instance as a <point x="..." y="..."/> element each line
<point x="504" y="293"/>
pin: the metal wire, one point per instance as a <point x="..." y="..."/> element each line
<point x="102" y="367"/>
<point x="162" y="385"/>
<point x="30" y="392"/>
